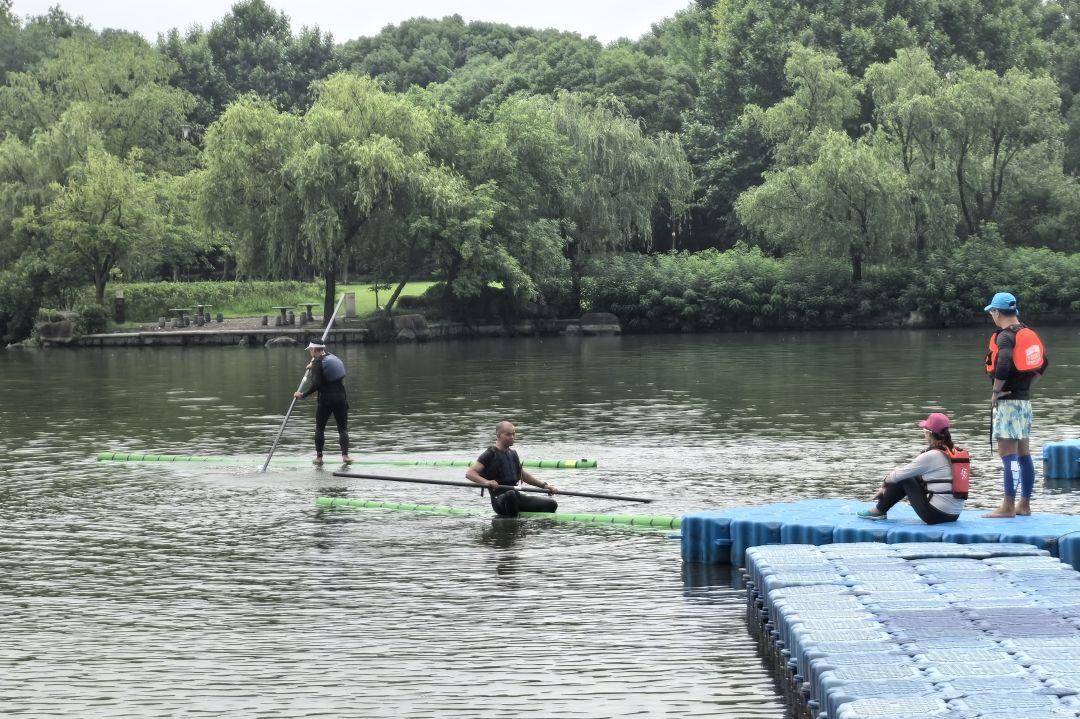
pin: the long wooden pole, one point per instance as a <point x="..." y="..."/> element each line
<point x="473" y="485"/>
<point x="307" y="373"/>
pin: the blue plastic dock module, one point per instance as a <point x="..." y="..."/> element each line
<point x="722" y="537"/>
<point x="1061" y="460"/>
<point x="960" y="631"/>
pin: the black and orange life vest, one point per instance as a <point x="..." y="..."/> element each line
<point x="960" y="485"/>
<point x="1028" y="350"/>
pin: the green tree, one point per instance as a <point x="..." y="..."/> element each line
<point x="25" y="44"/>
<point x="994" y="124"/>
<point x="856" y="197"/>
<point x="421" y="50"/>
<point x="601" y="173"/>
<point x="361" y="163"/>
<point x="250" y="50"/>
<point x="100" y="215"/>
<point x="746" y="47"/>
<point x="823" y="99"/>
<point x="325" y="185"/>
<point x="652" y="88"/>
<point x="906" y="112"/>
<point x="182" y="243"/>
<point x="244" y="189"/>
<point x="122" y="85"/>
<point x="499" y="230"/>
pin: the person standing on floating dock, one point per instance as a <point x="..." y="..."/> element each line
<point x="1016" y="359"/>
<point x="935" y="482"/>
<point x="326" y="376"/>
<point x="499" y="470"/>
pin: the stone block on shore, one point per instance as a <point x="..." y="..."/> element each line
<point x="403" y="328"/>
<point x="600" y="323"/>
<point x="61" y="331"/>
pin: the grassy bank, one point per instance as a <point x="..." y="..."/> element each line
<point x="146" y="301"/>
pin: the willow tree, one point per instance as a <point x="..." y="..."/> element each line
<point x="618" y="177"/>
<point x="907" y="112"/>
<point x="601" y="175"/>
<point x="361" y="164"/>
<point x="105" y="210"/>
<point x="999" y="129"/>
<point x="121" y="83"/>
<point x="322" y="186"/>
<point x="851" y="200"/>
<point x="244" y="189"/>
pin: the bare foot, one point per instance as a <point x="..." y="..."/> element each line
<point x="1023" y="508"/>
<point x="346" y="459"/>
<point x="1002" y="513"/>
<point x="1007" y="510"/>
<point x="317" y="461"/>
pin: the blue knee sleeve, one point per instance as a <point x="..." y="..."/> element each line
<point x="1027" y="476"/>
<point x="1011" y="465"/>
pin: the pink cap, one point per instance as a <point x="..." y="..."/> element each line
<point x="936" y="423"/>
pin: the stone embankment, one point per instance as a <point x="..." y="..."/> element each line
<point x="250" y="332"/>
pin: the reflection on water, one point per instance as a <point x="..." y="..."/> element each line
<point x="150" y="590"/>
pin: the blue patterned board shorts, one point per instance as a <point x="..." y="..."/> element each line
<point x="1012" y="419"/>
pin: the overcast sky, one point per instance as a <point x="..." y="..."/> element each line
<point x="606" y="19"/>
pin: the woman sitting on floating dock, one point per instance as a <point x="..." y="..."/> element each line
<point x="499" y="470"/>
<point x="935" y="482"/>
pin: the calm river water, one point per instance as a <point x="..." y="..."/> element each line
<point x="137" y="590"/>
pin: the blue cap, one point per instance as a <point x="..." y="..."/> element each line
<point x="1002" y="301"/>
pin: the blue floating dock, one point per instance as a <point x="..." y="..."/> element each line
<point x="722" y="537"/>
<point x="918" y="629"/>
<point x="1061" y="460"/>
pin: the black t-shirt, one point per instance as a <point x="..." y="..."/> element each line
<point x="503" y="467"/>
<point x="1017" y="383"/>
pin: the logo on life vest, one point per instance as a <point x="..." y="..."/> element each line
<point x="1033" y="356"/>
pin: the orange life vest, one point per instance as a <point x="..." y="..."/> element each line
<point x="960" y="459"/>
<point x="1028" y="351"/>
<point x="960" y="484"/>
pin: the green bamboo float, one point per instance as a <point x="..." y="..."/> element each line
<point x="143" y="457"/>
<point x="633" y="520"/>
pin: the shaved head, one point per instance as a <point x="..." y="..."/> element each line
<point x="505" y="434"/>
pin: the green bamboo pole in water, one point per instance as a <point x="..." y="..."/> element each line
<point x="144" y="457"/>
<point x="634" y="520"/>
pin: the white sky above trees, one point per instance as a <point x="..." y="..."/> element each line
<point x="606" y="19"/>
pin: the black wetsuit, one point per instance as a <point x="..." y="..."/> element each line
<point x="332" y="401"/>
<point x="505" y="468"/>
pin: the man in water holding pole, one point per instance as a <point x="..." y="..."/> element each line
<point x="499" y="470"/>
<point x="326" y="376"/>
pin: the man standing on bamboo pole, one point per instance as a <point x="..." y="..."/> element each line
<point x="327" y="377"/>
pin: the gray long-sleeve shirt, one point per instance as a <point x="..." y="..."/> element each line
<point x="936" y="470"/>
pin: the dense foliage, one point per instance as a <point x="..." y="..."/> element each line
<point x="743" y="288"/>
<point x="883" y="136"/>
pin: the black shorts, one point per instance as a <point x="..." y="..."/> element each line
<point x="508" y="503"/>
